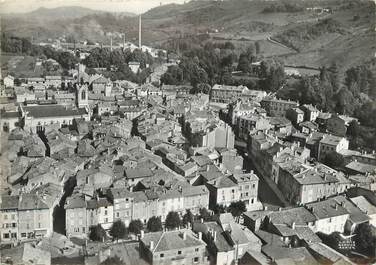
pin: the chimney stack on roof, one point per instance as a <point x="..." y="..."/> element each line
<point x="151" y="245"/>
<point x="142" y="233"/>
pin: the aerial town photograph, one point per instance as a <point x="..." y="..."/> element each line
<point x="187" y="132"/>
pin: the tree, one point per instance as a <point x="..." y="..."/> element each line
<point x="204" y="214"/>
<point x="219" y="208"/>
<point x="244" y="63"/>
<point x="353" y="130"/>
<point x="333" y="160"/>
<point x="365" y="240"/>
<point x="135" y="226"/>
<point x="172" y="220"/>
<point x="97" y="233"/>
<point x="332" y="240"/>
<point x="154" y="224"/>
<point x="118" y="230"/>
<point x="237" y="208"/>
<point x="17" y="82"/>
<point x="188" y="217"/>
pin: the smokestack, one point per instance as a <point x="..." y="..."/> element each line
<point x="151" y="245"/>
<point x="139" y="32"/>
<point x="123" y="41"/>
<point x="111" y="42"/>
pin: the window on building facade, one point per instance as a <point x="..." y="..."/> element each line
<point x="196" y="259"/>
<point x="161" y="255"/>
<point x="179" y="252"/>
<point x="6" y="235"/>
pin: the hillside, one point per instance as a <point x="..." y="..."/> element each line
<point x="319" y="37"/>
<point x="69" y="12"/>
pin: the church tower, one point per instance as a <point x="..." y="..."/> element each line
<point x="82" y="95"/>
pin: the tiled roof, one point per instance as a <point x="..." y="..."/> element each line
<point x="44" y="111"/>
<point x="298" y="215"/>
<point x="327" y="209"/>
<point x="9" y="202"/>
<point x="364" y="205"/>
<point x="291" y="256"/>
<point x="356" y="215"/>
<point x="331" y="139"/>
<point x="171" y="240"/>
<point x="75" y="201"/>
<point x="361" y="167"/>
<point x="194" y="190"/>
<point x="319" y="174"/>
<point x="31" y="202"/>
<point x="222" y="182"/>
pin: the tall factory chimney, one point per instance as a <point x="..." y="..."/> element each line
<point x="139" y="32"/>
<point x="111" y="42"/>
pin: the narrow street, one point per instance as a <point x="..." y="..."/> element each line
<point x="266" y="194"/>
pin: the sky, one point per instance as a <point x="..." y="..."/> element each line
<point x="134" y="6"/>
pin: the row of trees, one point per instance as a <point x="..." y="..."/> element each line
<point x="173" y="220"/>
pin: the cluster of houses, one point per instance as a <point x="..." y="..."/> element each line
<point x="106" y="151"/>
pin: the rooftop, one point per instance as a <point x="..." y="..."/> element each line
<point x="331" y="139"/>
<point x="327" y="209"/>
<point x="170" y="240"/>
<point x="46" y="111"/>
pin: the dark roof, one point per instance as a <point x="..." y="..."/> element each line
<point x="9" y="202"/>
<point x="31" y="202"/>
<point x="138" y="173"/>
<point x="53" y="111"/>
<point x="9" y="114"/>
